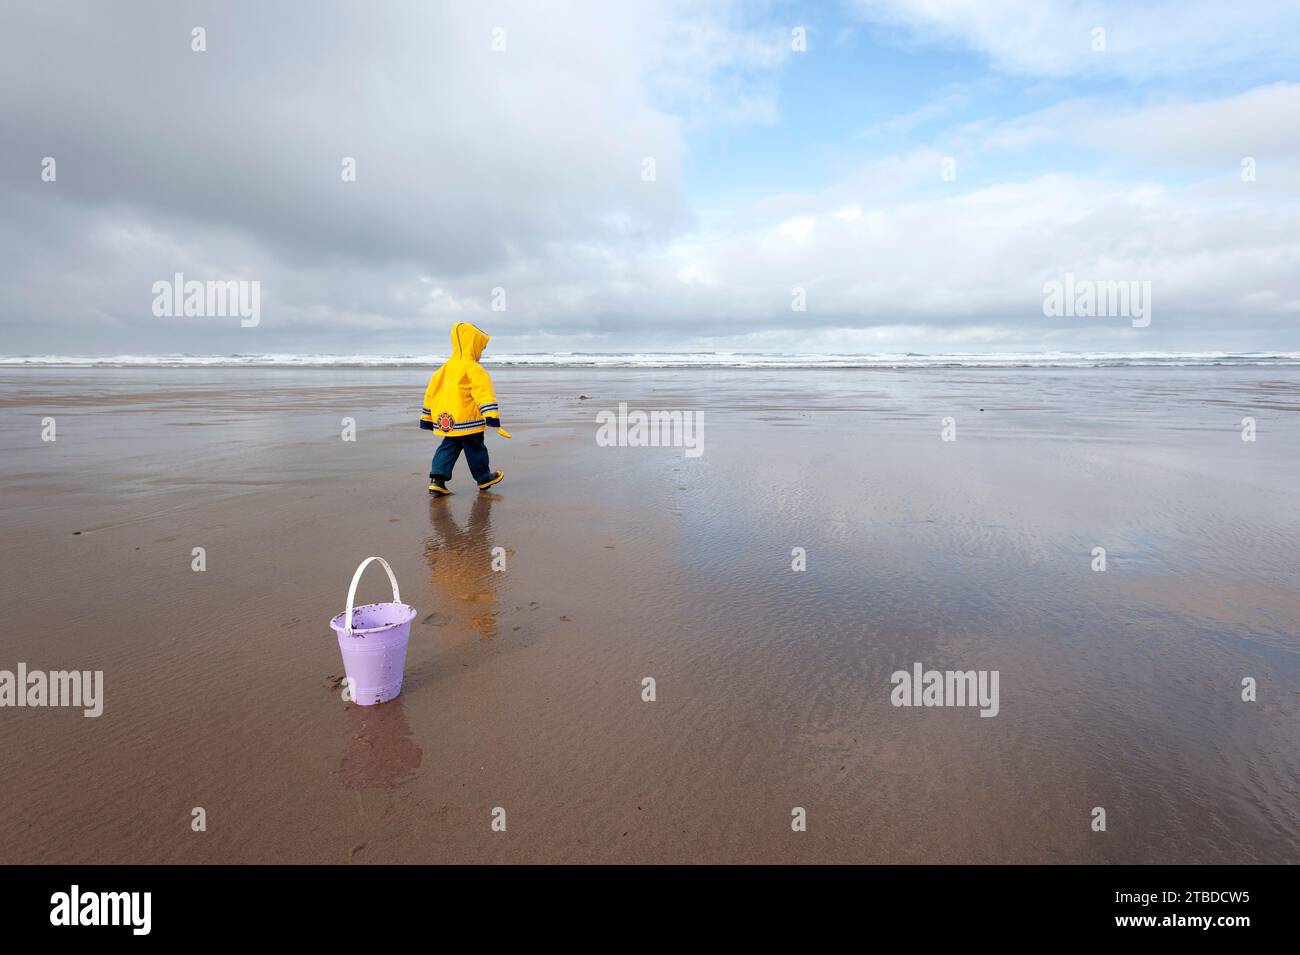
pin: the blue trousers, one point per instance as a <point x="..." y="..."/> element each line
<point x="476" y="456"/>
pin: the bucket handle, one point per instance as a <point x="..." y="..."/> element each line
<point x="356" y="578"/>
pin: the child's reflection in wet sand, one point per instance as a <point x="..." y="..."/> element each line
<point x="460" y="563"/>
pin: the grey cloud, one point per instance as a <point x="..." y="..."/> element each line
<point x="523" y="170"/>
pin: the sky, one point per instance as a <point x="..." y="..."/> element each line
<point x="866" y="176"/>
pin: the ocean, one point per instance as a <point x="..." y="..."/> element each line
<point x="702" y="359"/>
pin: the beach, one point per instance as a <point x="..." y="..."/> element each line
<point x="1120" y="689"/>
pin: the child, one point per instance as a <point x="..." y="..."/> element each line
<point x="458" y="403"/>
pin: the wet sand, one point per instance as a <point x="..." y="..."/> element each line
<point x="523" y="688"/>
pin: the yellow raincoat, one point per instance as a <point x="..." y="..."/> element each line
<point x="460" y="394"/>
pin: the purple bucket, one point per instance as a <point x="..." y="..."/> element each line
<point x="372" y="639"/>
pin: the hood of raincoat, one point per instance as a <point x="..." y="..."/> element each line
<point x="460" y="397"/>
<point x="468" y="341"/>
